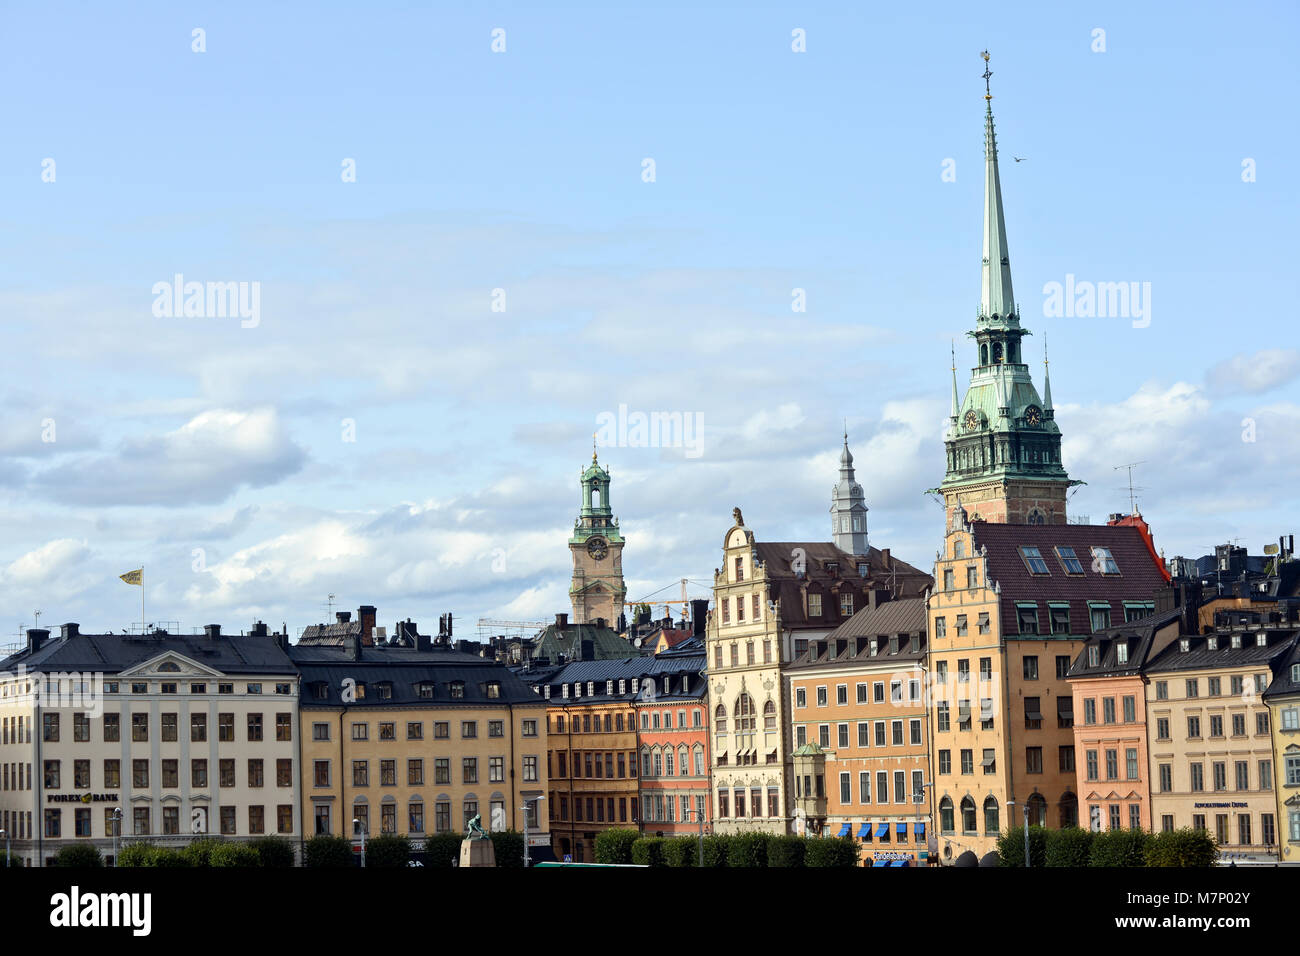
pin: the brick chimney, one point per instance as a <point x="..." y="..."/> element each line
<point x="36" y="636"/>
<point x="211" y="630"/>
<point x="561" y="621"/>
<point x="366" y="615"/>
<point x="71" y="630"/>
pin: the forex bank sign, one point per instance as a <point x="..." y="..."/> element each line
<point x="81" y="798"/>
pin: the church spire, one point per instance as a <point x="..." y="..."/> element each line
<point x="848" y="507"/>
<point x="956" y="404"/>
<point x="1047" y="381"/>
<point x="996" y="296"/>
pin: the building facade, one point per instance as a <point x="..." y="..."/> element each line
<point x="157" y="737"/>
<point x="861" y="735"/>
<point x="417" y="741"/>
<point x="770" y="601"/>
<point x="1283" y="700"/>
<point x="1010" y="612"/>
<point x="1211" y="744"/>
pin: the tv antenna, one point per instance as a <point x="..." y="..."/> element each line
<point x="1130" y="466"/>
<point x="37" y="615"/>
<point x="329" y="608"/>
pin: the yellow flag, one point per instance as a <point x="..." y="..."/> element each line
<point x="133" y="577"/>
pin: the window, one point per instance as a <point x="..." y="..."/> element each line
<point x="940" y="627"/>
<point x="321" y="773"/>
<point x="469" y="770"/>
<point x="989" y="761"/>
<point x="1091" y="764"/>
<point x="284" y="772"/>
<point x="1108" y="710"/>
<point x="814" y="605"/>
<point x="112" y="728"/>
<point x="968" y="761"/>
<point x="140" y="774"/>
<point x="468" y="729"/>
<point x="1028" y="617"/>
<point x="529" y="727"/>
<point x="946" y="815"/>
<point x="496" y="769"/>
<point x="1033" y="760"/>
<point x="170" y="774"/>
<point x="199" y="727"/>
<point x="254" y="727"/>
<point x="1216" y="725"/>
<point x="1103" y="562"/>
<point x="255" y="773"/>
<point x="948" y="579"/>
<point x="1033" y="559"/>
<point x="139" y="727"/>
<point x="1033" y="714"/>
<point x="1031" y="668"/>
<point x="1162" y="728"/>
<point x="1130" y="710"/>
<point x="1197" y="777"/>
<point x="1194" y="727"/>
<point x="226" y="727"/>
<point x="1065" y="758"/>
<point x="1069" y="560"/>
<point x="1099" y="615"/>
<point x="961" y="625"/>
<point x="1243" y="775"/>
<point x="945" y="761"/>
<point x="1131" y="763"/>
<point x="388" y="773"/>
<point x="1060" y="617"/>
<point x="821" y="696"/>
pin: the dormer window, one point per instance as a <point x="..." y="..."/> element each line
<point x="493" y="689"/>
<point x="832" y="566"/>
<point x="609" y="688"/>
<point x="425" y="689"/>
<point x="1261" y="640"/>
<point x="564" y="691"/>
<point x="320" y="690"/>
<point x="1121" y="652"/>
<point x="1184" y="645"/>
<point x="635" y="681"/>
<point x="1033" y="558"/>
<point x="1103" y="561"/>
<point x="1094" y="655"/>
<point x="1069" y="560"/>
<point x="1236" y="640"/>
<point x="457" y="690"/>
<point x="1211" y="643"/>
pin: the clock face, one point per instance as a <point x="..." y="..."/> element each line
<point x="597" y="547"/>
<point x="1034" y="415"/>
<point x="972" y="420"/>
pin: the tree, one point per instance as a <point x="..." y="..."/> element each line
<point x="1185" y="847"/>
<point x="1069" y="847"/>
<point x="442" y="850"/>
<point x="199" y="852"/>
<point x="648" y="851"/>
<point x="508" y="848"/>
<point x="274" y="852"/>
<point x="79" y="855"/>
<point x="234" y="854"/>
<point x="615" y="846"/>
<point x="1011" y="846"/>
<point x="135" y="854"/>
<point x="681" y="851"/>
<point x="832" y="851"/>
<point x="327" y="852"/>
<point x="1119" y="848"/>
<point x="786" y="851"/>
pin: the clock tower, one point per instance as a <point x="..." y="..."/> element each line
<point x="597" y="590"/>
<point x="1002" y="443"/>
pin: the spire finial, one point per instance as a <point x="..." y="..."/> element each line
<point x="987" y="74"/>
<point x="593" y="446"/>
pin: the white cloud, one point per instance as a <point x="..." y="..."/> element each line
<point x="1260" y="372"/>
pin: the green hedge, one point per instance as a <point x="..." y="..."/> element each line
<point x="786" y="851"/>
<point x="508" y="847"/>
<point x="273" y="852"/>
<point x="748" y="849"/>
<point x="615" y="846"/>
<point x="388" y="851"/>
<point x="233" y="854"/>
<point x="681" y="851"/>
<point x="648" y="851"/>
<point x="1069" y="847"/>
<point x="163" y="856"/>
<point x="199" y="852"/>
<point x="79" y="855"/>
<point x="715" y="850"/>
<point x="327" y="852"/>
<point x="442" y="850"/>
<point x="1011" y="846"/>
<point x="1119" y="848"/>
<point x="833" y="851"/>
<point x="1185" y="847"/>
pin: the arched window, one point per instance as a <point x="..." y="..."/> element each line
<point x="984" y="355"/>
<point x="720" y="718"/>
<point x="645" y="762"/>
<point x="744" y="713"/>
<point x="945" y="815"/>
<point x="991" y="824"/>
<point x="1037" y="810"/>
<point x="968" y="823"/>
<point x="769" y="715"/>
<point x="1069" y="810"/>
<point x="959" y="548"/>
<point x="997" y="353"/>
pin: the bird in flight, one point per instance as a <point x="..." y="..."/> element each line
<point x="1020" y="159"/>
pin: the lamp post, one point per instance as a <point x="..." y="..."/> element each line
<point x="1026" y="834"/>
<point x="694" y="811"/>
<point x="527" y="801"/>
<point x="358" y="826"/>
<point x="5" y="834"/>
<point x="918" y="798"/>
<point x="117" y="831"/>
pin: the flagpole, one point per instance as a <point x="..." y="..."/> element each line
<point x="142" y="599"/>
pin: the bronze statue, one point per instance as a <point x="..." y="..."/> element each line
<point x="476" y="831"/>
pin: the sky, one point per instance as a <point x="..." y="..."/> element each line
<point x="476" y="230"/>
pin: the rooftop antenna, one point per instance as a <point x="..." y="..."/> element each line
<point x="1132" y="508"/>
<point x="329" y="608"/>
<point x="37" y="615"/>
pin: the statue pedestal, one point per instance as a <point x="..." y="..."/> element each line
<point x="477" y="853"/>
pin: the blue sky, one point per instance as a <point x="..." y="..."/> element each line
<point x="193" y="442"/>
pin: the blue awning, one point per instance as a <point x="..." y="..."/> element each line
<point x="920" y="829"/>
<point x="880" y="863"/>
<point x="882" y="830"/>
<point x="844" y="830"/>
<point x="898" y="862"/>
<point x="901" y="829"/>
<point x="864" y="833"/>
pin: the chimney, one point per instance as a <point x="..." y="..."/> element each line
<point x="211" y="630"/>
<point x="588" y="650"/>
<point x="342" y="617"/>
<point x="71" y="630"/>
<point x="36" y="636"/>
<point x="884" y="558"/>
<point x="877" y="597"/>
<point x="259" y="629"/>
<point x="352" y="644"/>
<point x="699" y="616"/>
<point x="366" y="615"/>
<point x="423" y="642"/>
<point x="561" y="621"/>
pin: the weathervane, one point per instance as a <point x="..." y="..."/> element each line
<point x="987" y="74"/>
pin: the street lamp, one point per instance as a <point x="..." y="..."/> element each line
<point x="695" y="811"/>
<point x="527" y="801"/>
<point x="918" y="798"/>
<point x="5" y="834"/>
<point x="117" y="831"/>
<point x="357" y="825"/>
<point x="1026" y="834"/>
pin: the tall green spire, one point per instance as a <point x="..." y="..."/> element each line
<point x="996" y="296"/>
